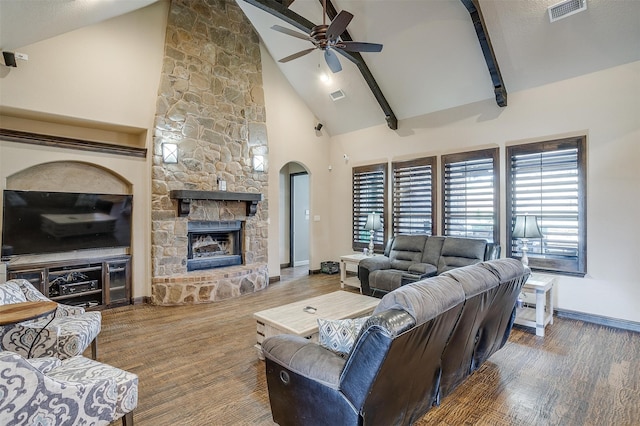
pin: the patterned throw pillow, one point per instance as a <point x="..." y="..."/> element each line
<point x="339" y="335"/>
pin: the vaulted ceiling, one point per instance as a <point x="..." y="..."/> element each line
<point x="432" y="59"/>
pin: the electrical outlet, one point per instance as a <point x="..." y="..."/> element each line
<point x="22" y="56"/>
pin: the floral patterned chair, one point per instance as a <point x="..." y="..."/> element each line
<point x="73" y="391"/>
<point x="63" y="334"/>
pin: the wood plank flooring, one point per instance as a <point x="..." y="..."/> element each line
<point x="197" y="366"/>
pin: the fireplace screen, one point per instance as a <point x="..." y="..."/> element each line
<point x="214" y="244"/>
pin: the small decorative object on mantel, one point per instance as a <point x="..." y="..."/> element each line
<point x="222" y="185"/>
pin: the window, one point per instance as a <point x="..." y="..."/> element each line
<point x="548" y="180"/>
<point x="413" y="196"/>
<point x="470" y="195"/>
<point x="369" y="196"/>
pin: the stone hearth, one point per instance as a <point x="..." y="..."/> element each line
<point x="210" y="285"/>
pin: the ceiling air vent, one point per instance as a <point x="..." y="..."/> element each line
<point x="566" y="8"/>
<point x="337" y="95"/>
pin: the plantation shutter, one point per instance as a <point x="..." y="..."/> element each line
<point x="546" y="179"/>
<point x="369" y="196"/>
<point x="470" y="188"/>
<point x="413" y="196"/>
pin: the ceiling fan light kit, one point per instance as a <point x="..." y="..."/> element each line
<point x="327" y="38"/>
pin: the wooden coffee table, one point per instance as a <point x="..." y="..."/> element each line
<point x="301" y="318"/>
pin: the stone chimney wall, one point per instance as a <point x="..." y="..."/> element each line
<point x="211" y="104"/>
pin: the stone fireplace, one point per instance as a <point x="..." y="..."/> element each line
<point x="211" y="106"/>
<point x="213" y="244"/>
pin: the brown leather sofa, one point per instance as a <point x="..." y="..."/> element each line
<point x="409" y="258"/>
<point x="420" y="343"/>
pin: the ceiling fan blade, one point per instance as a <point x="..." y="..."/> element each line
<point x="338" y="25"/>
<point x="356" y="46"/>
<point x="332" y="61"/>
<point x="291" y="32"/>
<point x="297" y="55"/>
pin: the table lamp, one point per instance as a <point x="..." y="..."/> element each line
<point x="526" y="227"/>
<point x="373" y="224"/>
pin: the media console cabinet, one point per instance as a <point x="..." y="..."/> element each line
<point x="95" y="283"/>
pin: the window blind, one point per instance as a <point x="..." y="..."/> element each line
<point x="413" y="197"/>
<point x="369" y="196"/>
<point x="547" y="180"/>
<point x="470" y="191"/>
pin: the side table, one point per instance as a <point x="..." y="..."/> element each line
<point x="542" y="314"/>
<point x="354" y="260"/>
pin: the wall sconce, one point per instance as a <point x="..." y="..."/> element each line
<point x="258" y="163"/>
<point x="169" y="153"/>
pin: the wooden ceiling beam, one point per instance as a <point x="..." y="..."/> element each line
<point x="279" y="10"/>
<point x="473" y="6"/>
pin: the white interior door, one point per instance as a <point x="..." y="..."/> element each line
<point x="300" y="219"/>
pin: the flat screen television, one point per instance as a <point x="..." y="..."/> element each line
<point x="36" y="222"/>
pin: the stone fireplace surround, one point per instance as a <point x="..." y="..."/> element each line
<point x="178" y="286"/>
<point x="211" y="105"/>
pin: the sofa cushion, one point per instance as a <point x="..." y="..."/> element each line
<point x="423" y="300"/>
<point x="432" y="249"/>
<point x="406" y="250"/>
<point x="425" y="270"/>
<point x="505" y="269"/>
<point x="459" y="252"/>
<point x="473" y="280"/>
<point x="339" y="335"/>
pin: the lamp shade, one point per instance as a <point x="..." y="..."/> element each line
<point x="373" y="222"/>
<point x="526" y="227"/>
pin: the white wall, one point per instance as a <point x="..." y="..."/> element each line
<point x="292" y="138"/>
<point x="604" y="105"/>
<point x="107" y="76"/>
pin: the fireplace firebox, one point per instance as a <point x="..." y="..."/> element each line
<point x="214" y="244"/>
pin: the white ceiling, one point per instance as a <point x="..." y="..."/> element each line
<point x="23" y="22"/>
<point x="431" y="58"/>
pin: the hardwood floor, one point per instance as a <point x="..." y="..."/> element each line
<point x="197" y="366"/>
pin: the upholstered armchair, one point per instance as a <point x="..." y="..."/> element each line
<point x="74" y="391"/>
<point x="63" y="334"/>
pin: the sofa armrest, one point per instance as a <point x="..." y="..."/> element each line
<point x="66" y="310"/>
<point x="375" y="263"/>
<point x="305" y="358"/>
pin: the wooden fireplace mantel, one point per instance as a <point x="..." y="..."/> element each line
<point x="184" y="197"/>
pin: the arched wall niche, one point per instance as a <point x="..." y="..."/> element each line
<point x="69" y="176"/>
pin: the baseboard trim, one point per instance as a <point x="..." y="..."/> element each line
<point x="314" y="271"/>
<point x="598" y="319"/>
<point x="274" y="279"/>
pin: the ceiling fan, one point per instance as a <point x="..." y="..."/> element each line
<point x="325" y="37"/>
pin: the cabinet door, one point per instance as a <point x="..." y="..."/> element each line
<point x="119" y="288"/>
<point x="34" y="276"/>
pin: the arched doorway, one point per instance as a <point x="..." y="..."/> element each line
<point x="294" y="220"/>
